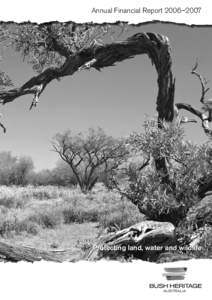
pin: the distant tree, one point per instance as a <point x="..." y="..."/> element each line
<point x="7" y="163"/>
<point x="87" y="155"/>
<point x="13" y="170"/>
<point x="61" y="175"/>
<point x="23" y="168"/>
<point x="43" y="177"/>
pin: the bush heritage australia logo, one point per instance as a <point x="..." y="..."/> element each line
<point x="175" y="273"/>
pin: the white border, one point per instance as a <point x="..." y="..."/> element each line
<point x="80" y="11"/>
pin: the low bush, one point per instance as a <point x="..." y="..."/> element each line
<point x="122" y="216"/>
<point x="74" y="215"/>
<point x="15" y="226"/>
<point x="45" y="219"/>
<point x="12" y="202"/>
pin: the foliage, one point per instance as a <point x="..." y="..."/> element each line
<point x="14" y="170"/>
<point x="187" y="164"/>
<point x="117" y="219"/>
<point x="5" y="80"/>
<point x="61" y="175"/>
<point x="39" y="43"/>
<point x="200" y="214"/>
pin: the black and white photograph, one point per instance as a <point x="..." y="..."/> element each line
<point x="106" y="143"/>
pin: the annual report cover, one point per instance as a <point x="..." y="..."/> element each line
<point x="106" y="153"/>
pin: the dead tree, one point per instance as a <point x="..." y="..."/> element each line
<point x="205" y="114"/>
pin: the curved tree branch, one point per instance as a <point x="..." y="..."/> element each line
<point x="99" y="56"/>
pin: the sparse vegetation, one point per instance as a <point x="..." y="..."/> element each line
<point x="29" y="209"/>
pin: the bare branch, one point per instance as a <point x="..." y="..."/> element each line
<point x="3" y="127"/>
<point x="203" y="117"/>
<point x="202" y="80"/>
<point x="189" y="108"/>
<point x="145" y="164"/>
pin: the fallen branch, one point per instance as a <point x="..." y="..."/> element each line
<point x="23" y="253"/>
<point x="132" y="241"/>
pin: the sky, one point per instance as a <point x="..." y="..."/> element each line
<point x="118" y="99"/>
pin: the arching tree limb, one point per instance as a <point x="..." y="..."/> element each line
<point x="99" y="56"/>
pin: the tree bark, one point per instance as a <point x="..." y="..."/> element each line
<point x="98" y="56"/>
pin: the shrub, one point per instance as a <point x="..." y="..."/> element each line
<point x="13" y="225"/>
<point x="74" y="215"/>
<point x="7" y="225"/>
<point x="12" y="202"/>
<point x="27" y="226"/>
<point x="14" y="170"/>
<point x="201" y="213"/>
<point x="205" y="245"/>
<point x="124" y="215"/>
<point x="142" y="183"/>
<point x="186" y="235"/>
<point x="46" y="219"/>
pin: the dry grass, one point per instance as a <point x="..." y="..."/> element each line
<point x="37" y="192"/>
<point x="33" y="209"/>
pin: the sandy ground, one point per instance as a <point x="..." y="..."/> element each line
<point x="75" y="237"/>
